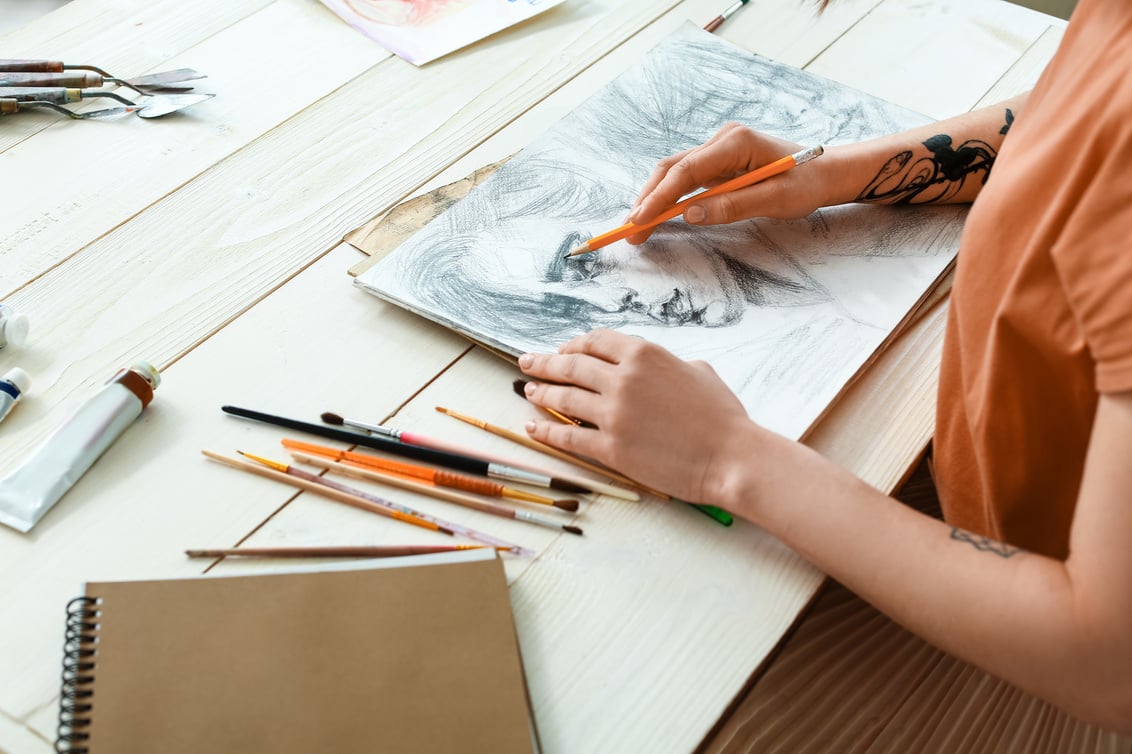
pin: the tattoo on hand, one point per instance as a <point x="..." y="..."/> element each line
<point x="984" y="544"/>
<point x="936" y="177"/>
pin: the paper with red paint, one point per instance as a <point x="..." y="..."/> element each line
<point x="423" y="30"/>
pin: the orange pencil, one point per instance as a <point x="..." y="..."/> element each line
<point x="743" y="181"/>
<point x="437" y="477"/>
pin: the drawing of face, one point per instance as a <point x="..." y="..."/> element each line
<point x="684" y="276"/>
<point x="508" y="266"/>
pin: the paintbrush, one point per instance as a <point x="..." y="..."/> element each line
<point x="311" y="483"/>
<point x="730" y="11"/>
<point x="484" y="506"/>
<point x="358" y="499"/>
<point x="470" y="464"/>
<point x="346" y="551"/>
<point x="747" y="179"/>
<point x="430" y="476"/>
<point x="549" y="450"/>
<point x="520" y="388"/>
<point x="437" y="444"/>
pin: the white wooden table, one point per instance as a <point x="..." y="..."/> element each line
<point x="208" y="243"/>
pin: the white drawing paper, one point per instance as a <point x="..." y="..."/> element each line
<point x="422" y="30"/>
<point x="787" y="312"/>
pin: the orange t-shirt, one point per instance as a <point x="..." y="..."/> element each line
<point x="1041" y="312"/>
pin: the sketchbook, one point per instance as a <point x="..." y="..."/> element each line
<point x="787" y="312"/>
<point x="404" y="655"/>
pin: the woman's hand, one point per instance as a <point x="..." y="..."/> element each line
<point x="733" y="151"/>
<point x="670" y="424"/>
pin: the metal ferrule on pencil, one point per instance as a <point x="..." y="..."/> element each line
<point x="808" y="154"/>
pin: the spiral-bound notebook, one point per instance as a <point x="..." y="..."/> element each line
<point x="359" y="657"/>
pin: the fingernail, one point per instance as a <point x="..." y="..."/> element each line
<point x="695" y="214"/>
<point x="526" y="360"/>
<point x="530" y="427"/>
<point x="633" y="215"/>
<point x="529" y="388"/>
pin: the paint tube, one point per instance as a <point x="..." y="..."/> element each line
<point x="13" y="327"/>
<point x="32" y="489"/>
<point x="12" y="385"/>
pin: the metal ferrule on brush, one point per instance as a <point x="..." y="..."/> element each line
<point x="534" y="519"/>
<point x="511" y="474"/>
<point x="374" y="429"/>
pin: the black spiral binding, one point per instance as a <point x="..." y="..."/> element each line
<point x="78" y="674"/>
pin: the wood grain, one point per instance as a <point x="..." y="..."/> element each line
<point x="90" y="181"/>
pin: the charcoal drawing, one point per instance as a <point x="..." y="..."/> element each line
<point x="786" y="311"/>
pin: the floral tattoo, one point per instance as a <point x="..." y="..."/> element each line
<point x="936" y="177"/>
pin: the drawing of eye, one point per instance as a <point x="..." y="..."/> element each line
<point x="582" y="266"/>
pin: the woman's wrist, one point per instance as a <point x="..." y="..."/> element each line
<point x="848" y="169"/>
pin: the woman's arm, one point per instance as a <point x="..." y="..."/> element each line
<point x="1060" y="630"/>
<point x="942" y="162"/>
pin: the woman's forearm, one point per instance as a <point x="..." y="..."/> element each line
<point x="1020" y="616"/>
<point x="943" y="162"/>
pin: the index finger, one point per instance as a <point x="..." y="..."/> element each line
<point x="607" y="345"/>
<point x="691" y="169"/>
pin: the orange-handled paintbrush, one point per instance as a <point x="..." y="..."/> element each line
<point x="438" y="477"/>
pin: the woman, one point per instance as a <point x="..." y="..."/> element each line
<point x="1030" y="577"/>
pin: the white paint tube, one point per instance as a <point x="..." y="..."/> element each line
<point x="12" y="385"/>
<point x="32" y="489"/>
<point x="13" y="327"/>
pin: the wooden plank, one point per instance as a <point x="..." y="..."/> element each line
<point x="124" y="37"/>
<point x="126" y="165"/>
<point x="935" y="58"/>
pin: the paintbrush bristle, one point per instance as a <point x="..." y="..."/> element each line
<point x="567" y="505"/>
<point x="573" y="530"/>
<point x="520" y="388"/>
<point x="562" y="484"/>
<point x="330" y="418"/>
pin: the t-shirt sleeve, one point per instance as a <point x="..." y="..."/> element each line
<point x="1093" y="257"/>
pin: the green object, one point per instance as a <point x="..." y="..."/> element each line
<point x="718" y="514"/>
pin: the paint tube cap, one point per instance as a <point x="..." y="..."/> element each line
<point x="14" y="329"/>
<point x="147" y="372"/>
<point x="18" y="378"/>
